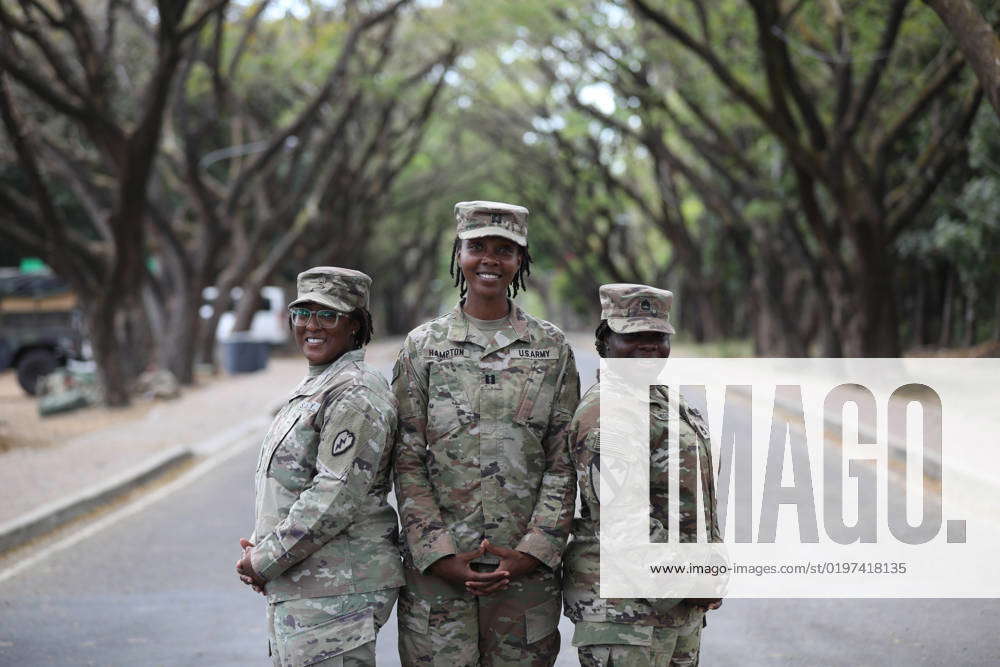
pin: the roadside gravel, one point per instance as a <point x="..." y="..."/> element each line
<point x="79" y="450"/>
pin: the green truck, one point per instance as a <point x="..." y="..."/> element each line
<point x="40" y="325"/>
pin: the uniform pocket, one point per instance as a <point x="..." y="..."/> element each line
<point x="330" y="639"/>
<point x="529" y="395"/>
<point x="448" y="404"/>
<point x="414" y="614"/>
<point x="541" y="620"/>
<point x="601" y="634"/>
<point x="275" y="434"/>
<point x="275" y="441"/>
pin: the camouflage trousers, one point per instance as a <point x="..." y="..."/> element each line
<point x="624" y="645"/>
<point x="442" y="624"/>
<point x="337" y="631"/>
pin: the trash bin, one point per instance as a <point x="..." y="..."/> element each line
<point x="241" y="353"/>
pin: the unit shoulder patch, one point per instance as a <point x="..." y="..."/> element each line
<point x="342" y="442"/>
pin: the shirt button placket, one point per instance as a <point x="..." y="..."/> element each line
<point x="487" y="444"/>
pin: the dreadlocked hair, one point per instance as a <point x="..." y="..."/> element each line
<point x="601" y="338"/>
<point x="365" y="329"/>
<point x="520" y="278"/>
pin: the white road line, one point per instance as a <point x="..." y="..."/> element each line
<point x="242" y="442"/>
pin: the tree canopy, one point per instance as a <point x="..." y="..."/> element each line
<point x="821" y="177"/>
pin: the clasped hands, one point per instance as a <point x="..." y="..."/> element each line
<point x="244" y="568"/>
<point x="456" y="569"/>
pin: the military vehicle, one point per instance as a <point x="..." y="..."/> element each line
<point x="40" y="325"/>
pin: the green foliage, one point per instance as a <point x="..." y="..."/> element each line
<point x="966" y="231"/>
<point x="513" y="124"/>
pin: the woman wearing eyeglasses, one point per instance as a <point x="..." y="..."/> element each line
<point x="324" y="549"/>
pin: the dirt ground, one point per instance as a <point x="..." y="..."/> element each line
<point x="22" y="426"/>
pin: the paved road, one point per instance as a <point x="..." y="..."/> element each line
<point x="157" y="588"/>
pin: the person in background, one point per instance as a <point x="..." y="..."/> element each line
<point x="635" y="323"/>
<point x="325" y="543"/>
<point x="483" y="476"/>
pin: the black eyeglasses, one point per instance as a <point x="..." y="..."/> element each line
<point x="327" y="319"/>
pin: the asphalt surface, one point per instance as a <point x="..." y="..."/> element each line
<point x="158" y="588"/>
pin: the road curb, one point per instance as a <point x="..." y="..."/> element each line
<point x="49" y="517"/>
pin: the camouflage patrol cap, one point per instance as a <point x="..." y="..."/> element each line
<point x="631" y="308"/>
<point x="489" y="218"/>
<point x="341" y="289"/>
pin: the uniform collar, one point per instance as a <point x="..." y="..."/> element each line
<point x="461" y="331"/>
<point x="349" y="357"/>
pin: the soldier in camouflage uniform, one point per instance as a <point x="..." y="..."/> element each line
<point x="483" y="476"/>
<point x="325" y="542"/>
<point x="635" y="322"/>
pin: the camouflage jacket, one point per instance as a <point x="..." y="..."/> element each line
<point x="581" y="565"/>
<point x="481" y="449"/>
<point x="323" y="526"/>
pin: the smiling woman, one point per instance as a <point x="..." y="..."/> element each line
<point x="321" y="334"/>
<point x="324" y="544"/>
<point x="471" y="259"/>
<point x="484" y="481"/>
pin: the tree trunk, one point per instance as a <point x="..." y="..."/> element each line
<point x="763" y="322"/>
<point x="996" y="316"/>
<point x="247" y="304"/>
<point x="775" y="315"/>
<point x="696" y="310"/>
<point x="180" y="299"/>
<point x="206" y="333"/>
<point x="173" y="327"/>
<point x="827" y="307"/>
<point x="711" y="326"/>
<point x="944" y="338"/>
<point x="919" y="336"/>
<point x="278" y="253"/>
<point x="878" y="321"/>
<point x="970" y="316"/>
<point x="977" y="41"/>
<point x="156" y="309"/>
<point x="871" y="320"/>
<point x="117" y="344"/>
<point x="177" y="350"/>
<point x="774" y="333"/>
